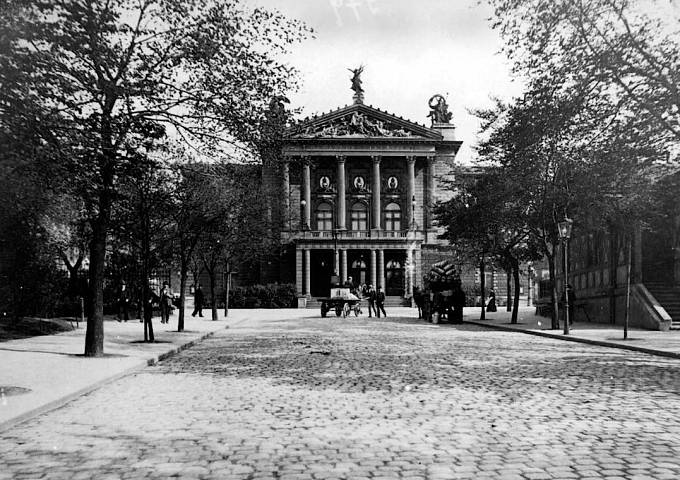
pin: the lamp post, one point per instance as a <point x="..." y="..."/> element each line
<point x="413" y="212"/>
<point x="564" y="231"/>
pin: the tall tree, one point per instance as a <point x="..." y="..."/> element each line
<point x="92" y="73"/>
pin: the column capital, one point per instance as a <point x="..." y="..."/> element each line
<point x="376" y="158"/>
<point x="410" y="159"/>
<point x="430" y="159"/>
<point x="287" y="158"/>
<point x="341" y="158"/>
<point x="306" y="160"/>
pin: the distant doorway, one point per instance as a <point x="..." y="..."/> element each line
<point x="321" y="271"/>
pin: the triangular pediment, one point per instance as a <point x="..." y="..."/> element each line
<point x="360" y="121"/>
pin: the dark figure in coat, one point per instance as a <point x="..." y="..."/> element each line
<point x="198" y="301"/>
<point x="418" y="299"/>
<point x="166" y="303"/>
<point x="380" y="302"/>
<point x="151" y="300"/>
<point x="123" y="301"/>
<point x="458" y="304"/>
<point x="491" y="304"/>
<point x="372" y="296"/>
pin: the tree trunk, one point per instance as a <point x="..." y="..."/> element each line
<point x="94" y="334"/>
<point x="213" y="299"/>
<point x="508" y="287"/>
<point x="482" y="281"/>
<point x="515" y="305"/>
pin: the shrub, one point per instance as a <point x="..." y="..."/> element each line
<point x="273" y="295"/>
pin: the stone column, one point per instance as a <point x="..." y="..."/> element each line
<point x="343" y="265"/>
<point x="381" y="269"/>
<point x="376" y="224"/>
<point x="285" y="187"/>
<point x="336" y="264"/>
<point x="374" y="279"/>
<point x="306" y="194"/>
<point x="299" y="271"/>
<point x="429" y="192"/>
<point x="410" y="191"/>
<point x="342" y="215"/>
<point x="308" y="272"/>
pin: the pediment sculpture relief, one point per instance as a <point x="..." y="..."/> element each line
<point x="357" y="125"/>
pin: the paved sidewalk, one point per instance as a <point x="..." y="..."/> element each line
<point x="53" y="370"/>
<point x="665" y="344"/>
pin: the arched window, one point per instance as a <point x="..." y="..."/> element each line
<point x="359" y="216"/>
<point x="324" y="217"/>
<point x="392" y="217"/>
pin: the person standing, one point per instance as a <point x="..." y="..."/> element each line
<point x="198" y="301"/>
<point x="166" y="303"/>
<point x="372" y="296"/>
<point x="123" y="302"/>
<point x="380" y="302"/>
<point x="491" y="304"/>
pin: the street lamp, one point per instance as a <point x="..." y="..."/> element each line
<point x="564" y="231"/>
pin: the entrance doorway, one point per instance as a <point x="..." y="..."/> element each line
<point x="394" y="273"/>
<point x="358" y="266"/>
<point x="321" y="269"/>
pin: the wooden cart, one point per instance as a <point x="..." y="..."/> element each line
<point x="342" y="301"/>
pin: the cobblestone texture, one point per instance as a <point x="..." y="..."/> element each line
<point x="329" y="399"/>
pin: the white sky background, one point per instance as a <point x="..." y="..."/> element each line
<point x="411" y="50"/>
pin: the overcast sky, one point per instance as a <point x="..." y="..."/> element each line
<point x="411" y="50"/>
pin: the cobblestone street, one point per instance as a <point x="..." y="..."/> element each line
<point x="312" y="398"/>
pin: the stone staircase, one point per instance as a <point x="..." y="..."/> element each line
<point x="390" y="302"/>
<point x="669" y="298"/>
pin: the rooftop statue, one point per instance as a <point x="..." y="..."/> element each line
<point x="439" y="110"/>
<point x="356" y="84"/>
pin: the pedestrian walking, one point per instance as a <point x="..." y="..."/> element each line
<point x="372" y="296"/>
<point x="198" y="301"/>
<point x="166" y="303"/>
<point x="123" y="301"/>
<point x="380" y="302"/>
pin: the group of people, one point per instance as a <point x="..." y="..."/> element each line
<point x="163" y="299"/>
<point x="375" y="298"/>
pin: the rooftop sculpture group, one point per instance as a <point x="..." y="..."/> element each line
<point x="439" y="110"/>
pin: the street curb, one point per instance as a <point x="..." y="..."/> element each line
<point x="60" y="402"/>
<point x="600" y="343"/>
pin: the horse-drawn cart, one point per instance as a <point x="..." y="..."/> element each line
<point x="342" y="301"/>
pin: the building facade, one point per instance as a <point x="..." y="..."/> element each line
<point x="354" y="190"/>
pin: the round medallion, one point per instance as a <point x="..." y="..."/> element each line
<point x="359" y="182"/>
<point x="324" y="182"/>
<point x="392" y="183"/>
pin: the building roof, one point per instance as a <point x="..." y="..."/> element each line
<point x="359" y="121"/>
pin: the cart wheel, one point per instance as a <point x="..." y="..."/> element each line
<point x="338" y="311"/>
<point x="346" y="310"/>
